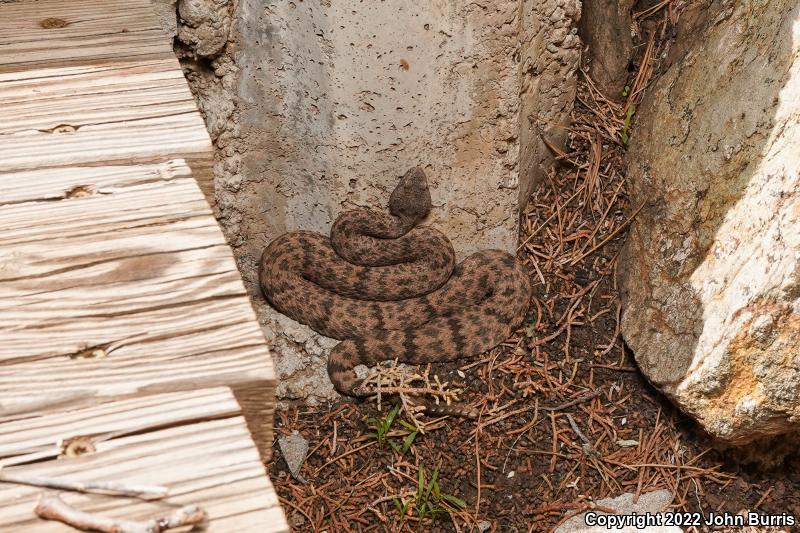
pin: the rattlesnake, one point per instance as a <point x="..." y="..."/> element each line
<point x="390" y="290"/>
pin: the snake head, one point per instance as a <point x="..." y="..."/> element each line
<point x="411" y="199"/>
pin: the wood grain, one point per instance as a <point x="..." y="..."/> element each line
<point x="117" y="281"/>
<point x="106" y="88"/>
<point x="195" y="443"/>
<point x="123" y="316"/>
<point x="96" y="32"/>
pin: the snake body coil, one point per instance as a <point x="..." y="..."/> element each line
<point x="388" y="289"/>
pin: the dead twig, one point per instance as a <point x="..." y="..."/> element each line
<point x="52" y="507"/>
<point x="412" y="389"/>
<point x="576" y="401"/>
<point x="587" y="447"/>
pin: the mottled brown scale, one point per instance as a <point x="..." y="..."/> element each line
<point x="391" y="290"/>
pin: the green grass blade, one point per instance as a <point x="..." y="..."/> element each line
<point x="433" y="481"/>
<point x="390" y="417"/>
<point x="409" y="440"/>
<point x="458" y="502"/>
<point x="408" y="426"/>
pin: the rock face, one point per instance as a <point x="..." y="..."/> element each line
<point x="649" y="502"/>
<point x="606" y="29"/>
<point x="711" y="272"/>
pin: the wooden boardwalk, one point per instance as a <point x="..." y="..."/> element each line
<point x="123" y="317"/>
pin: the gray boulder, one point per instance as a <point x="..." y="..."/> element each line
<point x="711" y="271"/>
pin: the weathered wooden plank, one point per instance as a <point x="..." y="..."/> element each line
<point x="45" y="186"/>
<point x="195" y="443"/>
<point x="125" y="273"/>
<point x="139" y="113"/>
<point x="42" y="431"/>
<point x="41" y="33"/>
<point x="106" y="88"/>
<point x="122" y="314"/>
<point x="78" y="96"/>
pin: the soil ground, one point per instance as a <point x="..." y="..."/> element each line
<point x="565" y="416"/>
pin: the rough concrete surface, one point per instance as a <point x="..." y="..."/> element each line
<point x="711" y="270"/>
<point x="318" y="106"/>
<point x="204" y="25"/>
<point x="550" y="56"/>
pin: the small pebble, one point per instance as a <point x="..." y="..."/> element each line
<point x="294" y="449"/>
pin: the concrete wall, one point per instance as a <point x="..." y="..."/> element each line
<point x="339" y="100"/>
<point x="333" y="101"/>
<point x="551" y="53"/>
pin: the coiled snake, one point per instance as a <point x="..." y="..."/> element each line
<point x="388" y="289"/>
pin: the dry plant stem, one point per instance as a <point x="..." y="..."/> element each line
<point x="52" y="507"/>
<point x="411" y="388"/>
<point x="478" y="468"/>
<point x="641" y="15"/>
<point x="145" y="492"/>
<point x="576" y="401"/>
<point x="587" y="447"/>
<point x="402" y="390"/>
<point x="402" y="496"/>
